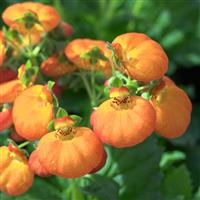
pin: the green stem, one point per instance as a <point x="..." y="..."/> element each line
<point x="92" y="75"/>
<point x="23" y="144"/>
<point x="76" y="192"/>
<point x="88" y="87"/>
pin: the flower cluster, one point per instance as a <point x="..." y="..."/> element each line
<point x="136" y="99"/>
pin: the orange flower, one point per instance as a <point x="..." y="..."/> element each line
<point x="123" y="121"/>
<point x="36" y="166"/>
<point x="5" y="119"/>
<point x="2" y="48"/>
<point x="10" y="90"/>
<point x="32" y="111"/>
<point x="70" y="151"/>
<point x="31" y="16"/>
<point x="173" y="109"/>
<point x="55" y="66"/>
<point x="15" y="176"/>
<point x="142" y="58"/>
<point x="76" y="51"/>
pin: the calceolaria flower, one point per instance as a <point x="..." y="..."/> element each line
<point x="63" y="152"/>
<point x="89" y="54"/>
<point x="15" y="175"/>
<point x="173" y="109"/>
<point x="141" y="57"/>
<point x="31" y="17"/>
<point x="123" y="120"/>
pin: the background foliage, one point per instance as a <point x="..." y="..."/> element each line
<point x="157" y="169"/>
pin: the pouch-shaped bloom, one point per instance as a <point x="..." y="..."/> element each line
<point x="123" y="121"/>
<point x="31" y="16"/>
<point x="56" y="66"/>
<point x="5" y="119"/>
<point x="142" y="58"/>
<point x="88" y="54"/>
<point x="36" y="166"/>
<point x="70" y="151"/>
<point x="15" y="175"/>
<point x="10" y="90"/>
<point x="2" y="48"/>
<point x="173" y="109"/>
<point x="32" y="111"/>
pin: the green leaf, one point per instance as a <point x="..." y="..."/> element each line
<point x="115" y="82"/>
<point x="36" y="50"/>
<point x="197" y="194"/>
<point x="177" y="183"/>
<point x="101" y="187"/>
<point x="50" y="126"/>
<point x="28" y="64"/>
<point x="50" y="85"/>
<point x="132" y="167"/>
<point x="146" y="95"/>
<point x="61" y="113"/>
<point x="77" y="119"/>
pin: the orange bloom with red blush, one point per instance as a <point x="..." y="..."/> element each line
<point x="77" y="49"/>
<point x="32" y="112"/>
<point x="141" y="57"/>
<point x="5" y="119"/>
<point x="31" y="16"/>
<point x="173" y="109"/>
<point x="36" y="166"/>
<point x="56" y="65"/>
<point x="15" y="175"/>
<point x="123" y="121"/>
<point x="2" y="48"/>
<point x="10" y="90"/>
<point x="70" y="152"/>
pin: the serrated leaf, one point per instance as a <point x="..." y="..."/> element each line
<point x="132" y="167"/>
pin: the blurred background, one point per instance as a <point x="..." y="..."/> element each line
<point x="175" y="24"/>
